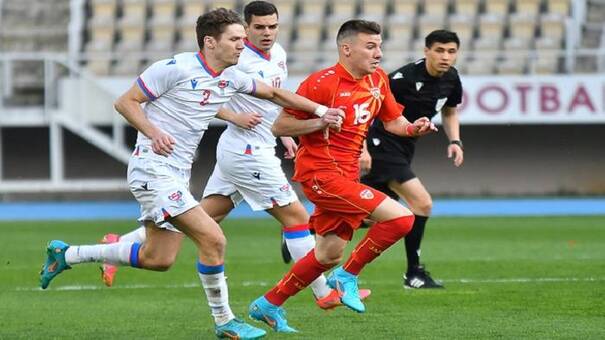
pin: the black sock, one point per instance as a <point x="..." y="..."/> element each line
<point x="413" y="239"/>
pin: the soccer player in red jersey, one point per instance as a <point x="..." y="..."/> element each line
<point x="327" y="166"/>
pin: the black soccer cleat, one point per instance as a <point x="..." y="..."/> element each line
<point x="417" y="278"/>
<point x="285" y="253"/>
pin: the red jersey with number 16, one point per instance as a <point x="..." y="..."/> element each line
<point x="362" y="100"/>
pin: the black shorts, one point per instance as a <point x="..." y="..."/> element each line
<point x="389" y="163"/>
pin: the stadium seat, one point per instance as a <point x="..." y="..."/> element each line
<point x="491" y="26"/>
<point x="558" y="7"/>
<point x="552" y="26"/>
<point x="517" y="44"/>
<point x="103" y="10"/>
<point x="464" y="26"/>
<point x="546" y="64"/>
<point x="522" y="25"/>
<point x="285" y="9"/>
<point x="547" y="43"/>
<point x="132" y="38"/>
<point x="162" y="39"/>
<point x="400" y="29"/>
<point x="487" y="43"/>
<point x="528" y="7"/>
<point x="101" y="39"/>
<point x="164" y="13"/>
<point x="483" y="65"/>
<point x="312" y="8"/>
<point x="374" y="8"/>
<point x="344" y="9"/>
<point x="229" y="4"/>
<point x="405" y="7"/>
<point x="512" y="64"/>
<point x="428" y="23"/>
<point x="498" y="7"/>
<point x="436" y="8"/>
<point x="134" y="12"/>
<point x="466" y="7"/>
<point x="99" y="67"/>
<point x="127" y="67"/>
<point x="309" y="31"/>
<point x="192" y="9"/>
<point x="188" y="39"/>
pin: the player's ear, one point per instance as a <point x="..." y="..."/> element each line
<point x="209" y="42"/>
<point x="346" y="49"/>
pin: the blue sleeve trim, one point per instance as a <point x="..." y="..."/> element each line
<point x="145" y="90"/>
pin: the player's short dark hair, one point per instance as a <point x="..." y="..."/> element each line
<point x="441" y="36"/>
<point x="356" y="26"/>
<point x="260" y="9"/>
<point x="213" y="24"/>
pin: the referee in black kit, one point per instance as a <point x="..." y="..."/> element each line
<point x="426" y="87"/>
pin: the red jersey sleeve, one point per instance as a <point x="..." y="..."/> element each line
<point x="312" y="88"/>
<point x="390" y="109"/>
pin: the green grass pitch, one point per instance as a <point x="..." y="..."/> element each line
<point x="506" y="278"/>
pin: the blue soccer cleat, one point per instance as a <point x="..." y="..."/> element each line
<point x="272" y="315"/>
<point x="55" y="262"/>
<point x="346" y="284"/>
<point x="238" y="329"/>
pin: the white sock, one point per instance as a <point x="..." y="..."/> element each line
<point x="217" y="294"/>
<point x="114" y="253"/>
<point x="299" y="244"/>
<point x="138" y="235"/>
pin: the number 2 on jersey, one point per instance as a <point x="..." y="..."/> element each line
<point x="205" y="97"/>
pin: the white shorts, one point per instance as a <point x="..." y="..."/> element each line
<point x="161" y="189"/>
<point x="258" y="179"/>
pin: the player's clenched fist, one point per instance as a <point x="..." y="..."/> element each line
<point x="162" y="143"/>
<point x="420" y="127"/>
<point x="333" y="118"/>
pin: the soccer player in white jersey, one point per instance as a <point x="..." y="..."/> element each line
<point x="181" y="96"/>
<point x="247" y="168"/>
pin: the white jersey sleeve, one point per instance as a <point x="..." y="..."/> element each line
<point x="158" y="78"/>
<point x="240" y="81"/>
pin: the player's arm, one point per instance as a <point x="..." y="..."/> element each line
<point x="129" y="106"/>
<point x="288" y="125"/>
<point x="245" y="120"/>
<point x="402" y="127"/>
<point x="451" y="126"/>
<point x="285" y="98"/>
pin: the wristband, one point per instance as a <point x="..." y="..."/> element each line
<point x="321" y="110"/>
<point x="457" y="142"/>
<point x="412" y="132"/>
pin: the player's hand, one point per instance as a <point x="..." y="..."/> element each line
<point x="365" y="161"/>
<point x="332" y="119"/>
<point x="290" y="146"/>
<point x="247" y="120"/>
<point x="455" y="151"/>
<point x="421" y="127"/>
<point x="162" y="143"/>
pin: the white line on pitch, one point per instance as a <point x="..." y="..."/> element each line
<point x="266" y="284"/>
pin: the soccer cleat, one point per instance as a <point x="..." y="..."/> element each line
<point x="332" y="300"/>
<point x="108" y="271"/>
<point x="285" y="253"/>
<point x="417" y="278"/>
<point x="274" y="316"/>
<point x="55" y="262"/>
<point x="238" y="329"/>
<point x="346" y="285"/>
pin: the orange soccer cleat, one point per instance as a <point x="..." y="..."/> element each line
<point x="332" y="300"/>
<point x="108" y="271"/>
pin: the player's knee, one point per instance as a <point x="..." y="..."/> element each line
<point x="329" y="259"/>
<point x="426" y="206"/>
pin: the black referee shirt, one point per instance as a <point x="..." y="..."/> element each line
<point x="422" y="95"/>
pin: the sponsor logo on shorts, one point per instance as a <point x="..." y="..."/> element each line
<point x="366" y="194"/>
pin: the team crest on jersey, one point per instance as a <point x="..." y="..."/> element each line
<point x="366" y="194"/>
<point x="282" y="65"/>
<point x="375" y="91"/>
<point x="284" y="188"/>
<point x="222" y="84"/>
<point x="175" y="196"/>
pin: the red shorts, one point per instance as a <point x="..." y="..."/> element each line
<point x="341" y="204"/>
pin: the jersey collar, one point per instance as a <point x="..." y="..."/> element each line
<point x="207" y="68"/>
<point x="344" y="73"/>
<point x="258" y="51"/>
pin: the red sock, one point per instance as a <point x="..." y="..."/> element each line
<point x="380" y="236"/>
<point x="302" y="273"/>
